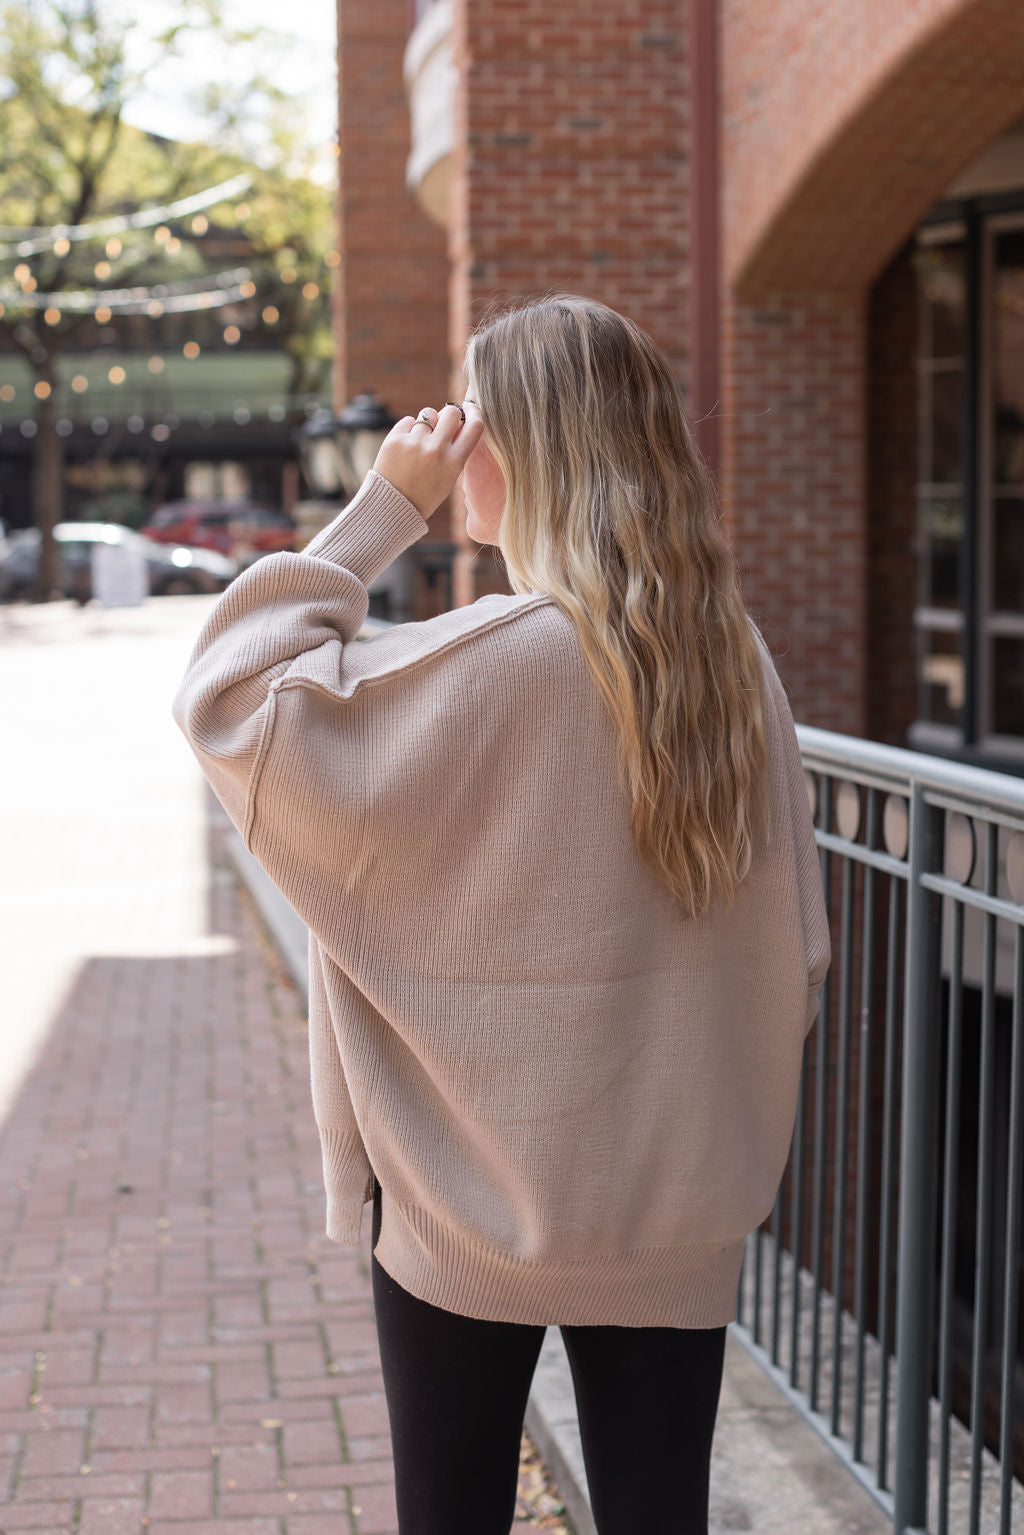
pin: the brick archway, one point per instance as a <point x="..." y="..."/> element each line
<point x="879" y="109"/>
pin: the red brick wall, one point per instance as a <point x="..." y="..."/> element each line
<point x="844" y="120"/>
<point x="391" y="293"/>
<point x="572" y="169"/>
<point x="793" y="488"/>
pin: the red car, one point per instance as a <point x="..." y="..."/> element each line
<point x="236" y="528"/>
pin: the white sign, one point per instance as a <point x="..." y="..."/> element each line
<point x="120" y="576"/>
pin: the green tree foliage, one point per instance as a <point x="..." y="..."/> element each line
<point x="69" y="73"/>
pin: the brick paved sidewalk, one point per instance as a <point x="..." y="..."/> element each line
<point x="180" y="1347"/>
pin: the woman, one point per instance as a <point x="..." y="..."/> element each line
<point x="567" y="927"/>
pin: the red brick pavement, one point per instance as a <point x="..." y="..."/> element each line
<point x="181" y="1349"/>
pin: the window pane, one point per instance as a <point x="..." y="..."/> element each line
<point x="1008" y="554"/>
<point x="947" y="427"/>
<point x="940" y="677"/>
<point x="1008" y="685"/>
<point x="941" y="529"/>
<point x="941" y="276"/>
<point x="1008" y="358"/>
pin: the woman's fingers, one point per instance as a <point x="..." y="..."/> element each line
<point x="460" y="434"/>
<point x="424" y="455"/>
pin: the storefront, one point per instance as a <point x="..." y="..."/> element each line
<point x="969" y="610"/>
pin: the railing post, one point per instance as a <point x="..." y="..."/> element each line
<point x="918" y="1169"/>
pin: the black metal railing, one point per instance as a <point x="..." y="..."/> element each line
<point x="891" y="1263"/>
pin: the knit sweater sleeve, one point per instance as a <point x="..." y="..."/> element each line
<point x="271" y="616"/>
<point x="348" y="1176"/>
<point x="814" y="915"/>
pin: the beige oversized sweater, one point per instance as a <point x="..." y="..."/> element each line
<point x="577" y="1101"/>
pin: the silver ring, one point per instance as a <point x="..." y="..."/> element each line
<point x="425" y="420"/>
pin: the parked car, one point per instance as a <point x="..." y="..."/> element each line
<point x="237" y="528"/>
<point x="171" y="570"/>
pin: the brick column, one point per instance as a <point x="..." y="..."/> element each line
<point x="571" y="172"/>
<point x="391" y="294"/>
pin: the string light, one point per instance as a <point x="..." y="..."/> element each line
<point x="79" y="383"/>
<point x="248" y="290"/>
<point x="191" y="349"/>
<point x="162" y="235"/>
<point x="117" y="375"/>
<point x="29" y="240"/>
<point x="61" y="246"/>
<point x="172" y="246"/>
<point x="333" y="258"/>
<point x="155" y="365"/>
<point x="42" y="390"/>
<point x="102" y="269"/>
<point x="288" y="274"/>
<point x="310" y="291"/>
<point x="7" y="393"/>
<point x="271" y="315"/>
<point x="51" y="316"/>
<point x="186" y="294"/>
<point x="21" y="272"/>
<point x="200" y="224"/>
<point x="103" y="313"/>
<point x="113" y="247"/>
<point x="232" y="335"/>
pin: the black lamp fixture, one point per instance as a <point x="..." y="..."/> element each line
<point x="318" y="453"/>
<point x="362" y="428"/>
<point x="338" y="451"/>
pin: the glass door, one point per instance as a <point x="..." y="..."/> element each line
<point x="938" y="610"/>
<point x="1001" y="488"/>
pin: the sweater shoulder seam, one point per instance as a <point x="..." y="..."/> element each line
<point x="492" y="621"/>
<point x="249" y="824"/>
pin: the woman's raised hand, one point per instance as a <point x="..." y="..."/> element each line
<point x="424" y="455"/>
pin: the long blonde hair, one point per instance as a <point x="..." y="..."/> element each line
<point x="612" y="513"/>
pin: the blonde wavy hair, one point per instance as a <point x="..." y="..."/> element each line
<point x="611" y="512"/>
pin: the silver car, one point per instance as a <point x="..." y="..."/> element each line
<point x="173" y="569"/>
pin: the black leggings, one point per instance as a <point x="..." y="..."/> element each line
<point x="456" y="1390"/>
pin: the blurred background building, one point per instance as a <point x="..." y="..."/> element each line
<point x="818" y="211"/>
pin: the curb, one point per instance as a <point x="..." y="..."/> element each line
<point x="551" y="1418"/>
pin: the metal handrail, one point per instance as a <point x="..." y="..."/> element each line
<point x="929" y="978"/>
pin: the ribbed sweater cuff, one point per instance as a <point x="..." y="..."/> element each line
<point x="372" y="530"/>
<point x="344" y="1222"/>
<point x="348" y="1182"/>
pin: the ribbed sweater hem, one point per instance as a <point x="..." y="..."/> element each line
<point x="689" y="1286"/>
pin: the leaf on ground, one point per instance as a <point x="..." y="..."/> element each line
<point x="538" y="1503"/>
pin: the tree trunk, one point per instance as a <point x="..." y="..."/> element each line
<point x="47" y="489"/>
